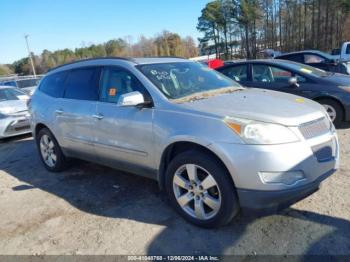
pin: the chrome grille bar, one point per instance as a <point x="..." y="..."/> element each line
<point x="315" y="128"/>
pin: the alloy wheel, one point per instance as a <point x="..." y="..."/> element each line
<point x="47" y="150"/>
<point x="331" y="111"/>
<point x="196" y="191"/>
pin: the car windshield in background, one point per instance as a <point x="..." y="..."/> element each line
<point x="178" y="80"/>
<point x="9" y="94"/>
<point x="27" y="83"/>
<point x="9" y="83"/>
<point x="328" y="56"/>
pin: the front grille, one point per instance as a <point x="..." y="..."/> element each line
<point x="22" y="128"/>
<point x="315" y="128"/>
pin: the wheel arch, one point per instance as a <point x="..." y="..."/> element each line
<point x="177" y="147"/>
<point x="324" y="97"/>
<point x="38" y="127"/>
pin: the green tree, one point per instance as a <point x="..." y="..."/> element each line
<point x="5" y="70"/>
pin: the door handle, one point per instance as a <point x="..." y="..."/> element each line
<point x="98" y="116"/>
<point x="59" y="111"/>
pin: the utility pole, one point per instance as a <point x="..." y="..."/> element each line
<point x="30" y="55"/>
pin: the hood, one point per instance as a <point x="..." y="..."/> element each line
<point x="13" y="106"/>
<point x="260" y="105"/>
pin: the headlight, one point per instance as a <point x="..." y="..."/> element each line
<point x="260" y="133"/>
<point x="345" y="88"/>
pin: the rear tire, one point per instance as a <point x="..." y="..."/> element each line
<point x="334" y="110"/>
<point x="200" y="189"/>
<point x="50" y="152"/>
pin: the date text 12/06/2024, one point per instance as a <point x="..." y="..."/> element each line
<point x="173" y="258"/>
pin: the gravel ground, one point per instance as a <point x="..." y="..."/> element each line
<point x="91" y="209"/>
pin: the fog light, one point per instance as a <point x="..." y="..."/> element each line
<point x="287" y="178"/>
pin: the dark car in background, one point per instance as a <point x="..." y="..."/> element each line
<point x="329" y="89"/>
<point x="27" y="85"/>
<point x="317" y="59"/>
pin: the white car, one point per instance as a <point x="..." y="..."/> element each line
<point x="27" y="85"/>
<point x="14" y="115"/>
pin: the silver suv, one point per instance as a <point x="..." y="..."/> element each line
<point x="214" y="146"/>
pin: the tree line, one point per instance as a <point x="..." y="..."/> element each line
<point x="243" y="28"/>
<point x="163" y="44"/>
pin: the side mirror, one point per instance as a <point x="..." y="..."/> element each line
<point x="132" y="99"/>
<point x="293" y="82"/>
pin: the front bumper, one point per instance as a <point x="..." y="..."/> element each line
<point x="245" y="162"/>
<point x="14" y="125"/>
<point x="275" y="200"/>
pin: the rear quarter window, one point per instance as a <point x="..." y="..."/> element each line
<point x="53" y="85"/>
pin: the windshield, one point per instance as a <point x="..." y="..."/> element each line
<point x="178" y="80"/>
<point x="325" y="55"/>
<point x="9" y="94"/>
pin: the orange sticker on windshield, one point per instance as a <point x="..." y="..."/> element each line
<point x="112" y="91"/>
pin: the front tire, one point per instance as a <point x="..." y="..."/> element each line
<point x="334" y="110"/>
<point x="200" y="189"/>
<point x="50" y="152"/>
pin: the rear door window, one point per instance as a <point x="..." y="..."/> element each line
<point x="82" y="84"/>
<point x="237" y="73"/>
<point x="53" y="85"/>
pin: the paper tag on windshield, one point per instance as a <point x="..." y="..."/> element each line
<point x="304" y="70"/>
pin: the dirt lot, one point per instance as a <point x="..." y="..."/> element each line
<point x="95" y="210"/>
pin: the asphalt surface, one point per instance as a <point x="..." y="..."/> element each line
<point x="90" y="209"/>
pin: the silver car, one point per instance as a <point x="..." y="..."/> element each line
<point x="14" y="115"/>
<point x="214" y="146"/>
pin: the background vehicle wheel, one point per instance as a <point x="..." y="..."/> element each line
<point x="200" y="189"/>
<point x="50" y="151"/>
<point x="334" y="110"/>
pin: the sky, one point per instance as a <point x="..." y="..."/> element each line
<point x="59" y="24"/>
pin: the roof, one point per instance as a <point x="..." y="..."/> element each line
<point x="135" y="60"/>
<point x="244" y="61"/>
<point x="307" y="51"/>
<point x="302" y="51"/>
<point x="281" y="62"/>
<point x="155" y="60"/>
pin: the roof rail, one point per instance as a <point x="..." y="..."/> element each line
<point x="166" y="56"/>
<point x="91" y="59"/>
